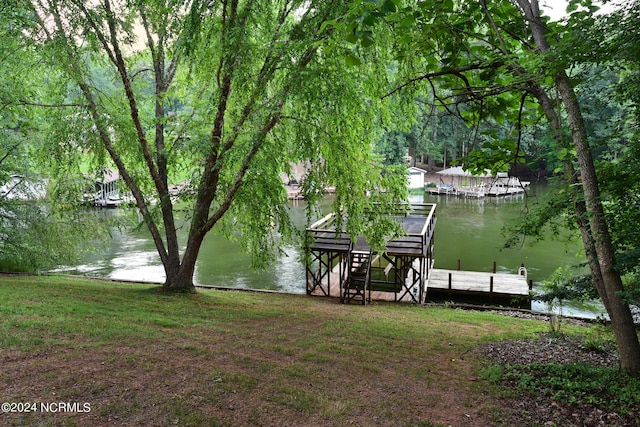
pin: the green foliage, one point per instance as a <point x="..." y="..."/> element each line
<point x="37" y="230"/>
<point x="599" y="338"/>
<point x="393" y="147"/>
<point x="621" y="190"/>
<point x="35" y="239"/>
<point x="221" y="99"/>
<point x="562" y="287"/>
<point x="433" y="132"/>
<point x="565" y="285"/>
<point x="479" y="79"/>
<point x="618" y="169"/>
<point x="544" y="217"/>
<point x="577" y="384"/>
<point x="618" y="51"/>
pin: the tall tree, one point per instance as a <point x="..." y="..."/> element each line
<point x="220" y="97"/>
<point x="493" y="56"/>
<point x="610" y="285"/>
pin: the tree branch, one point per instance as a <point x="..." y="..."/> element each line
<point x="457" y="71"/>
<point x="308" y="122"/>
<point x="77" y="75"/>
<point x="39" y="104"/>
<point x="9" y="151"/>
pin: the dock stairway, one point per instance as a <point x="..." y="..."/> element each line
<point x="357" y="286"/>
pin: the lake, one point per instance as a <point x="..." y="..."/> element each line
<point x="468" y="230"/>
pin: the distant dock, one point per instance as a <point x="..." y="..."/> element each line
<point x="456" y="181"/>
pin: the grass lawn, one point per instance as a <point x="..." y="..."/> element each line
<point x="134" y="356"/>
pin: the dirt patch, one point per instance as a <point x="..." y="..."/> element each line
<point x="548" y="348"/>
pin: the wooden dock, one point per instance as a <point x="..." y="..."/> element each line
<point x="349" y="267"/>
<point x="339" y="266"/>
<point x="334" y="289"/>
<point x="475" y="286"/>
<point x="472" y="287"/>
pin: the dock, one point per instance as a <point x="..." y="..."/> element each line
<point x="341" y="266"/>
<point x="456" y="181"/>
<point x="473" y="287"/>
<point x="478" y="192"/>
<point x="479" y="287"/>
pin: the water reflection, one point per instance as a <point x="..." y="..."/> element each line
<point x="131" y="255"/>
<point x="469" y="230"/>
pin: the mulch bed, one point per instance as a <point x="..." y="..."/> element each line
<point x="559" y="350"/>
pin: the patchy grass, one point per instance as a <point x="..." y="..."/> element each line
<point x="140" y="357"/>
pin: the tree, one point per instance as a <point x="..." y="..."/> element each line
<point x="35" y="234"/>
<point x="221" y="97"/>
<point x="493" y="56"/>
<point x="610" y="285"/>
<point x="618" y="53"/>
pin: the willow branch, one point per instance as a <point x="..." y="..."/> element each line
<point x="457" y="71"/>
<point x="309" y="123"/>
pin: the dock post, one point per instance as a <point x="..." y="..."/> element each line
<point x="491" y="285"/>
<point x="458" y="264"/>
<point x="494" y="267"/>
<point x="449" y="281"/>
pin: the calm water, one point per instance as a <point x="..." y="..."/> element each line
<point x="467" y="229"/>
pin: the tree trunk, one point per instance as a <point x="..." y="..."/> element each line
<point x="579" y="206"/>
<point x="582" y="219"/>
<point x="180" y="275"/>
<point x="619" y="312"/>
<point x="180" y="280"/>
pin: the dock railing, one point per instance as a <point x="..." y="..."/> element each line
<point x="407" y="258"/>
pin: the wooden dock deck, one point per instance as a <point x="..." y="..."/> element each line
<point x="475" y="286"/>
<point x="339" y="266"/>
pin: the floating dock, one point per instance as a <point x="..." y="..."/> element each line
<point x="479" y="287"/>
